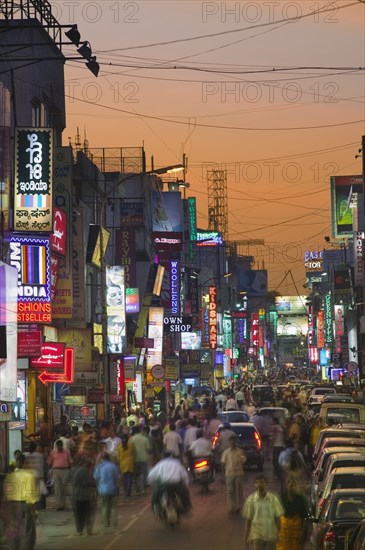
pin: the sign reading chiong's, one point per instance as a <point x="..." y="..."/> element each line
<point x="33" y="179"/>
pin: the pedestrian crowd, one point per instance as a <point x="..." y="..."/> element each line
<point x="87" y="470"/>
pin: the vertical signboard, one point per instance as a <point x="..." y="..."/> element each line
<point x="8" y="336"/>
<point x="359" y="259"/>
<point x="115" y="300"/>
<point x="155" y="331"/>
<point x="78" y="271"/>
<point x="328" y="334"/>
<point x="212" y="313"/>
<point x="62" y="197"/>
<point x="33" y="175"/>
<point x="175" y="286"/>
<point x="126" y="254"/>
<point x="339" y="326"/>
<point x="320" y="327"/>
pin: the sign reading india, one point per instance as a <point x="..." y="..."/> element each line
<point x="31" y="257"/>
<point x="33" y="179"/>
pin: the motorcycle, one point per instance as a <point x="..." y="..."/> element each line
<point x="202" y="471"/>
<point x="170" y="502"/>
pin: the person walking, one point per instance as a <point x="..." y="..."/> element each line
<point x="172" y="442"/>
<point x="106" y="475"/>
<point x="84" y="496"/>
<point x="142" y="450"/>
<point x="21" y="497"/>
<point x="293" y="523"/>
<point x="126" y="456"/>
<point x="60" y="461"/>
<point x="233" y="460"/>
<point x="262" y="511"/>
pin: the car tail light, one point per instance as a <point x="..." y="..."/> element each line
<point x="258" y="440"/>
<point x="215" y="439"/>
<point x="329" y="541"/>
<point x="200" y="464"/>
<point x="320" y="504"/>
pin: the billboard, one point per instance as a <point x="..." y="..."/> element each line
<point x="155" y="331"/>
<point x="254" y="282"/>
<point x="31" y="257"/>
<point x="191" y="340"/>
<point x="346" y="191"/>
<point x="115" y="301"/>
<point x="33" y="175"/>
<point x="166" y="209"/>
<point x="212" y="312"/>
<point x="8" y="319"/>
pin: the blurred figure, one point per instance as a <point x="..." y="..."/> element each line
<point x="60" y="461"/>
<point x="35" y="462"/>
<point x="293" y="522"/>
<point x="262" y="512"/>
<point x="21" y="496"/>
<point x="106" y="475"/>
<point x="126" y="459"/>
<point x="233" y="460"/>
<point x="83" y="497"/>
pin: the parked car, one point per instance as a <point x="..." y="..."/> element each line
<point x="334" y="413"/>
<point x="322" y="390"/>
<point x="339" y="442"/>
<point x="351" y="426"/>
<point x="342" y="510"/>
<point x="334" y="432"/>
<point x="337" y="398"/>
<point x="233" y="416"/>
<point x="340" y="478"/>
<point x="199" y="391"/>
<point x="335" y="460"/>
<point x="248" y="439"/>
<point x="355" y="537"/>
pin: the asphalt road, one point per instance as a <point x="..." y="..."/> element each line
<point x="209" y="527"/>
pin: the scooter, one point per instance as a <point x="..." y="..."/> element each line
<point x="168" y="504"/>
<point x="202" y="471"/>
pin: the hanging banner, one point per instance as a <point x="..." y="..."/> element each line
<point x="33" y="179"/>
<point x="359" y="259"/>
<point x="345" y="191"/>
<point x="115" y="299"/>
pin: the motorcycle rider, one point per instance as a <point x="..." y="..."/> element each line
<point x="200" y="448"/>
<point x="169" y="474"/>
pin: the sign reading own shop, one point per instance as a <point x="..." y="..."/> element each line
<point x="33" y="180"/>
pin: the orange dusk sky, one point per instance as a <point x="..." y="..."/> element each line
<point x="204" y="79"/>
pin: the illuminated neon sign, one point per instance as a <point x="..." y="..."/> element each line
<point x="65" y="377"/>
<point x="212" y="317"/>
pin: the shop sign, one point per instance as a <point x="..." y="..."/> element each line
<point x="212" y="312"/>
<point x="58" y="239"/>
<point x="33" y="179"/>
<point x="177" y="324"/>
<point x="52" y="356"/>
<point x="30" y="344"/>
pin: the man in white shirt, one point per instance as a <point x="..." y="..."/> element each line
<point x="201" y="447"/>
<point x="231" y="404"/>
<point x="172" y="442"/>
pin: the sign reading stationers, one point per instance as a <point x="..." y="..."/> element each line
<point x="33" y="179"/>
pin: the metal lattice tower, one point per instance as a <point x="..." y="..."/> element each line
<point x="217" y="201"/>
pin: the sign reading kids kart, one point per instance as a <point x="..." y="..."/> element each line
<point x="33" y="179"/>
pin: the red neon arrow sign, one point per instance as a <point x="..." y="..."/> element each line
<point x="65" y="377"/>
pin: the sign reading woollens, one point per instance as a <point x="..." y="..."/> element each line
<point x="33" y="179"/>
